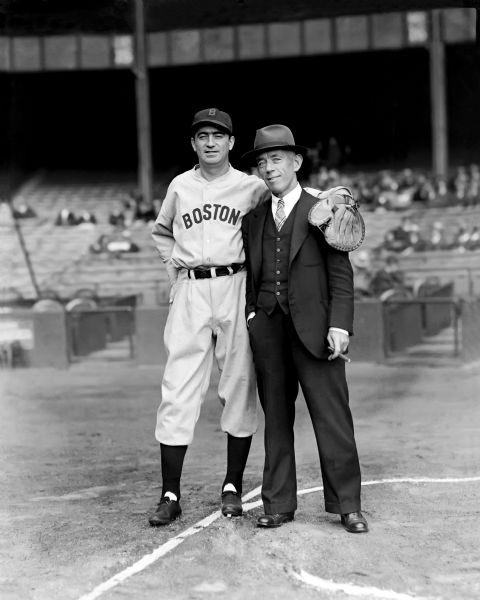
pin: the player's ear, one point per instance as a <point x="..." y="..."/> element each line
<point x="192" y="141"/>
<point x="231" y="142"/>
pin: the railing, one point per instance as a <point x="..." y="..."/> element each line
<point x="466" y="278"/>
<point x="92" y="329"/>
<point x="408" y="321"/>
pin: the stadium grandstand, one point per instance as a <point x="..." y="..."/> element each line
<point x="96" y="99"/>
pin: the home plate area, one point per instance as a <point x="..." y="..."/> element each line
<point x="422" y="545"/>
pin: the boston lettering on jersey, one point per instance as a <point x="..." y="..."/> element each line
<point x="217" y="212"/>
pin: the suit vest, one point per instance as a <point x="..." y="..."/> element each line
<point x="276" y="255"/>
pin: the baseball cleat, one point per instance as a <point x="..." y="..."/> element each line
<point x="166" y="512"/>
<point x="231" y="504"/>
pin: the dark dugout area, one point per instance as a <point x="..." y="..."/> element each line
<point x="375" y="104"/>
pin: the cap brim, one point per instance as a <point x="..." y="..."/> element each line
<point x="251" y="154"/>
<point x="218" y="124"/>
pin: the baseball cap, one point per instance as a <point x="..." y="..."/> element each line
<point x="212" y="116"/>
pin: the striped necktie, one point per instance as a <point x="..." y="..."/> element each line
<point x="280" y="214"/>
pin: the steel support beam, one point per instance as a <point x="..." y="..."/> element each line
<point x="145" y="175"/>
<point x="438" y="99"/>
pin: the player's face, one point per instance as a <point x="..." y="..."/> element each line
<point x="278" y="169"/>
<point x="212" y="146"/>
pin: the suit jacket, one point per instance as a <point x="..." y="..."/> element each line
<point x="320" y="278"/>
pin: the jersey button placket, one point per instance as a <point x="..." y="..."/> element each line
<point x="206" y="229"/>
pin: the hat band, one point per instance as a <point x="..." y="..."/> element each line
<point x="279" y="144"/>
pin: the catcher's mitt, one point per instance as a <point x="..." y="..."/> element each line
<point x="337" y="216"/>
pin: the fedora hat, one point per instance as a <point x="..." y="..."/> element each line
<point x="273" y="137"/>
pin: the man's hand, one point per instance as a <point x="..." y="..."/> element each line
<point x="173" y="289"/>
<point x="338" y="340"/>
<point x="172" y="272"/>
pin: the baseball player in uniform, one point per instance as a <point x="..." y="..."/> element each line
<point x="198" y="235"/>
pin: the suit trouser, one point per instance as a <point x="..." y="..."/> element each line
<point x="281" y="362"/>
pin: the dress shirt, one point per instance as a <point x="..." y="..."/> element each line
<point x="290" y="200"/>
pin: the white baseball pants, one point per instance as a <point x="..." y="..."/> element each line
<point x="207" y="320"/>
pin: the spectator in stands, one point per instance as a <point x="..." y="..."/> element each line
<point x="100" y="245"/>
<point x="119" y="244"/>
<point x="117" y="218"/>
<point x="334" y="154"/>
<point x="389" y="277"/>
<point x="460" y="183"/>
<point x="405" y="236"/>
<point x="145" y="212"/>
<point x="313" y="155"/>
<point x="437" y="239"/>
<point x="322" y="178"/>
<point x="115" y="244"/>
<point x="424" y="190"/>
<point x="362" y="274"/>
<point x="87" y="218"/>
<point x="129" y="210"/>
<point x="473" y="187"/>
<point x="363" y="192"/>
<point x="460" y="238"/>
<point x="406" y="180"/>
<point x="474" y="240"/>
<point x="66" y="217"/>
<point x="23" y="211"/>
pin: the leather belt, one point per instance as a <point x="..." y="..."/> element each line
<point x="214" y="271"/>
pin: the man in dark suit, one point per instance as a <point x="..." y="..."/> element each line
<point x="299" y="309"/>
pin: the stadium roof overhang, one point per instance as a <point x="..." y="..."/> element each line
<point x="23" y="17"/>
<point x="175" y="14"/>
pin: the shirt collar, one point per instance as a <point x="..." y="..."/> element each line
<point x="197" y="173"/>
<point x="290" y="199"/>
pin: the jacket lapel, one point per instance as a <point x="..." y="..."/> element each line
<point x="300" y="224"/>
<point x="256" y="239"/>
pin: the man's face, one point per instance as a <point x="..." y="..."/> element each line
<point x="278" y="169"/>
<point x="212" y="145"/>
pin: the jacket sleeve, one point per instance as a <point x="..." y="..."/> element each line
<point x="249" y="302"/>
<point x="340" y="282"/>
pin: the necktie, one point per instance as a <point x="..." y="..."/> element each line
<point x="280" y="214"/>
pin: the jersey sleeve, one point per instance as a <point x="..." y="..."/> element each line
<point x="162" y="231"/>
<point x="260" y="193"/>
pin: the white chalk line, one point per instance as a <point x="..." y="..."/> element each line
<point x="149" y="559"/>
<point x="350" y="589"/>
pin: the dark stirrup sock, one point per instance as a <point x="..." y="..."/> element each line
<point x="237" y="454"/>
<point x="172" y="463"/>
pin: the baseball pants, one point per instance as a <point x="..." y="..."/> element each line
<point x="206" y="321"/>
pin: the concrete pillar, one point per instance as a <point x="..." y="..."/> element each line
<point x="50" y="340"/>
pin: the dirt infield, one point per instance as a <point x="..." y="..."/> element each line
<point x="80" y="470"/>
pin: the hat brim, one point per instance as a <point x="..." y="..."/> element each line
<point x="218" y="124"/>
<point x="251" y="154"/>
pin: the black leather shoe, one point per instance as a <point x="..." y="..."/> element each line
<point x="355" y="522"/>
<point x="231" y="504"/>
<point x="275" y="520"/>
<point x="166" y="512"/>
